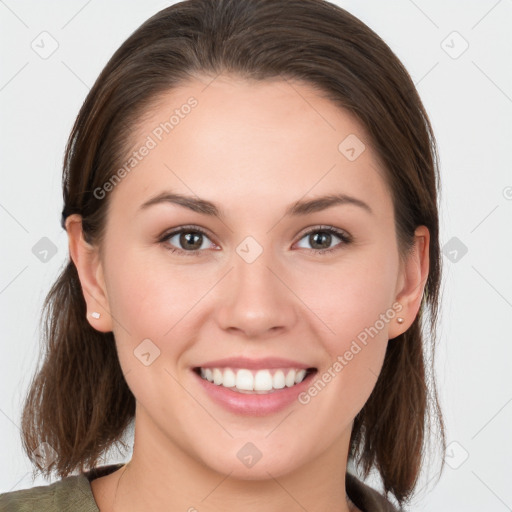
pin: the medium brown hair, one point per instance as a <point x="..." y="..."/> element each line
<point x="78" y="401"/>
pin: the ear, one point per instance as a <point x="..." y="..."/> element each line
<point x="411" y="282"/>
<point x="90" y="271"/>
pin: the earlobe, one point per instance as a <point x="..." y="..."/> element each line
<point x="411" y="281"/>
<point x="90" y="272"/>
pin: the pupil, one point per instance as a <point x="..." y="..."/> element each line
<point x="187" y="237"/>
<point x="320" y="234"/>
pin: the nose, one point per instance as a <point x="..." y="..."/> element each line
<point x="257" y="301"/>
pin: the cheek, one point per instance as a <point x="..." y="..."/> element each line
<point x="355" y="351"/>
<point x="354" y="303"/>
<point x="147" y="294"/>
<point x="146" y="302"/>
<point x="350" y="296"/>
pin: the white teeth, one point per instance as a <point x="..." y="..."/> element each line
<point x="278" y="380"/>
<point x="300" y="376"/>
<point x="290" y="379"/>
<point x="229" y="378"/>
<point x="217" y="376"/>
<point x="262" y="381"/>
<point x="245" y="380"/>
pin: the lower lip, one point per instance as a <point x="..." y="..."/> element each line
<point x="254" y="404"/>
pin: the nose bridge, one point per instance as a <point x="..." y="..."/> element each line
<point x="256" y="299"/>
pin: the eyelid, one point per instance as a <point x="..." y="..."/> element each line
<point x="324" y="227"/>
<point x="184" y="227"/>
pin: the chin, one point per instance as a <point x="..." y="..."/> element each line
<point x="249" y="464"/>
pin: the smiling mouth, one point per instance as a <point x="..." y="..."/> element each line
<point x="263" y="381"/>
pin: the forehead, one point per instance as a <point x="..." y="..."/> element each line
<point x="229" y="138"/>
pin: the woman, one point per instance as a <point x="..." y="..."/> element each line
<point x="250" y="196"/>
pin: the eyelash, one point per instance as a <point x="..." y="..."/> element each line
<point x="345" y="238"/>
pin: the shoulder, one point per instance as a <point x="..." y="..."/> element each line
<point x="72" y="493"/>
<point x="365" y="497"/>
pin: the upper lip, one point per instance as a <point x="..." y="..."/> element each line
<point x="255" y="364"/>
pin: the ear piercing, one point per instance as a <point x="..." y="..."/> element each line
<point x="96" y="315"/>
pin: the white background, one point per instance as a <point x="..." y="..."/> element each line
<point x="469" y="100"/>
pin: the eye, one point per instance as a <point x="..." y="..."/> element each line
<point x="189" y="240"/>
<point x="321" y="237"/>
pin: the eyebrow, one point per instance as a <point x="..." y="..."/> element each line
<point x="301" y="207"/>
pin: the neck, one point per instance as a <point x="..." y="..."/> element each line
<point x="162" y="479"/>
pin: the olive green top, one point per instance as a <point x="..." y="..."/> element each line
<point x="74" y="494"/>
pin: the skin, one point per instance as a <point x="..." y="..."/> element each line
<point x="253" y="148"/>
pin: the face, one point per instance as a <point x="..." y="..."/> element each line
<point x="253" y="287"/>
